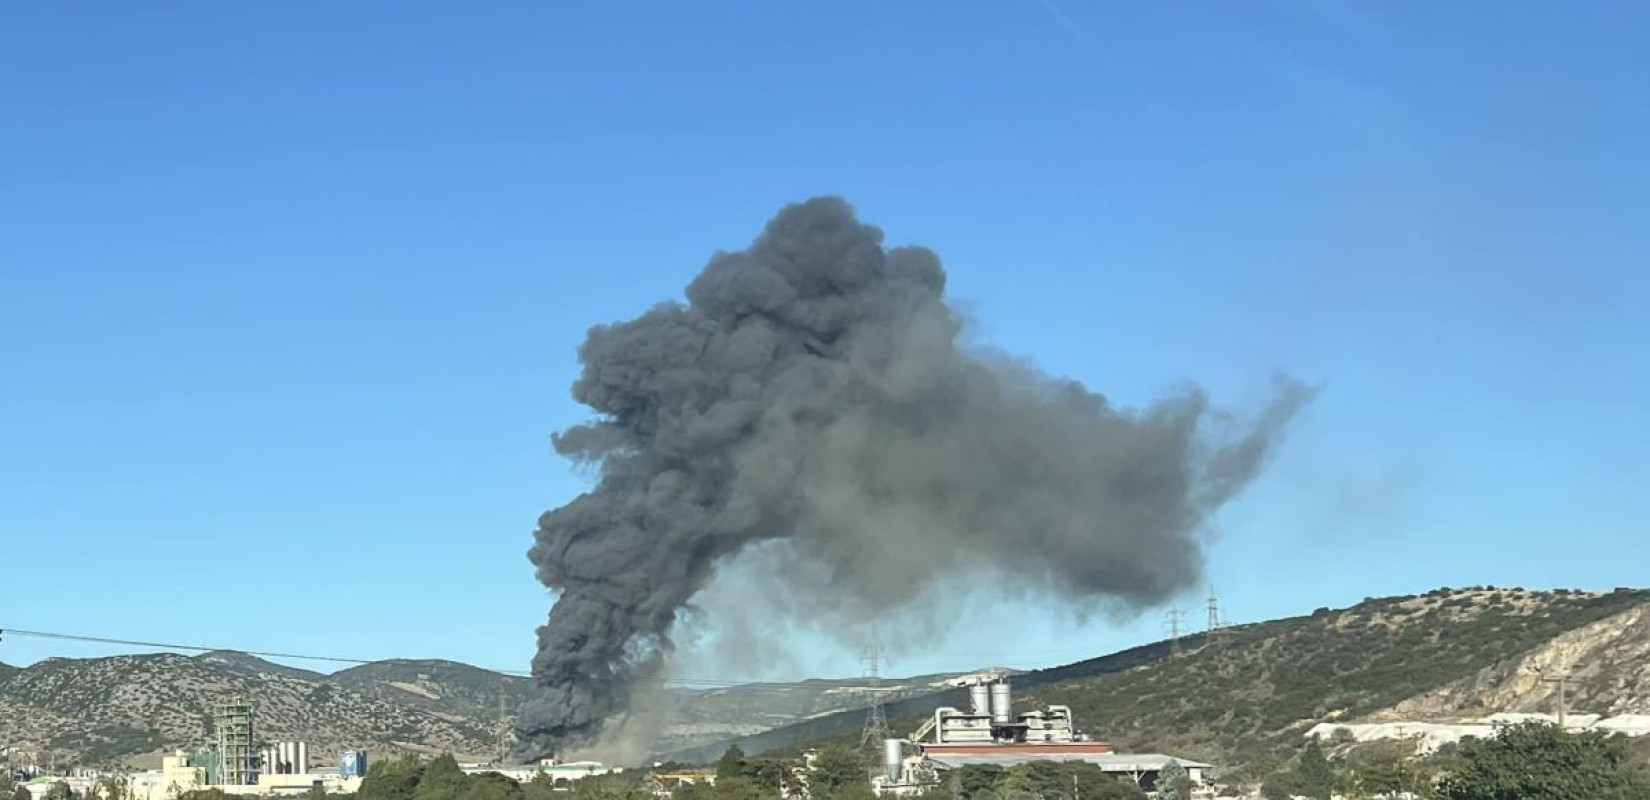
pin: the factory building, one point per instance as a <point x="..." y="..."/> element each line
<point x="232" y="733"/>
<point x="550" y="768"/>
<point x="181" y="772"/>
<point x="989" y="732"/>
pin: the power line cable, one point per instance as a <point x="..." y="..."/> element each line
<point x="705" y="683"/>
<point x="74" y="637"/>
<point x="697" y="683"/>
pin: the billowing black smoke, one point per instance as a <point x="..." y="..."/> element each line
<point x="814" y="389"/>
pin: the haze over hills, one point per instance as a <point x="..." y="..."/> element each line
<point x="1243" y="699"/>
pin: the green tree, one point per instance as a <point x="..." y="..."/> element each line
<point x="1314" y="777"/>
<point x="1277" y="788"/>
<point x="979" y="781"/>
<point x="1016" y="783"/>
<point x="59" y="791"/>
<point x="1537" y="761"/>
<point x="541" y="787"/>
<point x="738" y="788"/>
<point x="1111" y="788"/>
<point x="114" y="788"/>
<point x="21" y="793"/>
<point x="693" y="791"/>
<point x="613" y="786"/>
<point x="204" y="794"/>
<point x="391" y="779"/>
<point x="838" y="769"/>
<point x="492" y="786"/>
<point x="1174" y="782"/>
<point x="1385" y="768"/>
<point x="731" y="764"/>
<point x="442" y="780"/>
<point x="772" y="776"/>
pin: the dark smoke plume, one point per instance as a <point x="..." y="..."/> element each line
<point x="814" y="389"/>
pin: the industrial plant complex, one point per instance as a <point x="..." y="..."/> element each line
<point x="989" y="732"/>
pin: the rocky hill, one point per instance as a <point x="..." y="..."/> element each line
<point x="131" y="709"/>
<point x="1245" y="699"/>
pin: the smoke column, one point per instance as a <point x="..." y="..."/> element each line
<point x="814" y="389"/>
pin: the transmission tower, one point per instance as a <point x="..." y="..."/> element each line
<point x="876" y="722"/>
<point x="1215" y="623"/>
<point x="1173" y="622"/>
<point x="1562" y="678"/>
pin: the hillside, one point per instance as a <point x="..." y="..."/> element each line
<point x="130" y="709"/>
<point x="707" y="718"/>
<point x="107" y="710"/>
<point x="444" y="688"/>
<point x="1245" y="700"/>
<point x="1242" y="701"/>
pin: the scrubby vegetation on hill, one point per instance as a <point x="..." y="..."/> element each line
<point x="1244" y="700"/>
<point x="1248" y="697"/>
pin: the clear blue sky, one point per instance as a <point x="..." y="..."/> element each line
<point x="289" y="292"/>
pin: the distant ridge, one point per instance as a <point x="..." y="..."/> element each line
<point x="1244" y="700"/>
<point x="129" y="709"/>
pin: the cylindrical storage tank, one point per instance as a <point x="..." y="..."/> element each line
<point x="892" y="756"/>
<point x="353" y="764"/>
<point x="1002" y="704"/>
<point x="303" y="759"/>
<point x="979" y="697"/>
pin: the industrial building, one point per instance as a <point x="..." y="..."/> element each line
<point x="237" y="763"/>
<point x="232" y="742"/>
<point x="285" y="758"/>
<point x="550" y="768"/>
<point x="989" y="732"/>
<point x="182" y="772"/>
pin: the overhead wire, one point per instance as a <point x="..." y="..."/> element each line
<point x="698" y="683"/>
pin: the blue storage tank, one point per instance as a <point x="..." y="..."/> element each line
<point x="353" y="764"/>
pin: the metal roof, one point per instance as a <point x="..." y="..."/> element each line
<point x="1110" y="762"/>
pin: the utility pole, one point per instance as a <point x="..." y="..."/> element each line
<point x="1563" y="681"/>
<point x="503" y="731"/>
<point x="1174" y="617"/>
<point x="876" y="721"/>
